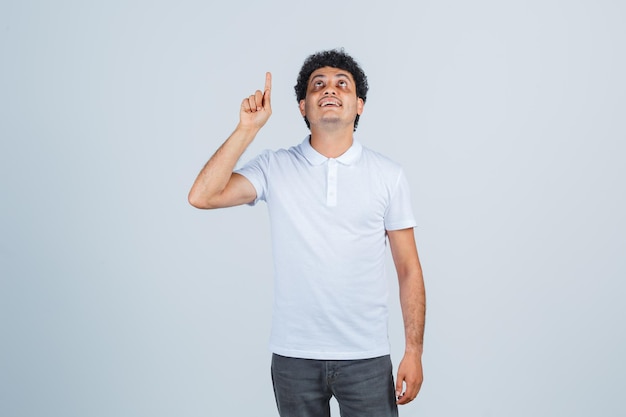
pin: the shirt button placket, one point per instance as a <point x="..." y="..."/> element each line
<point x="331" y="183"/>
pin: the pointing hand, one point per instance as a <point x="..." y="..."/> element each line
<point x="257" y="109"/>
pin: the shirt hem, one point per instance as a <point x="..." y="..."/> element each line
<point x="324" y="355"/>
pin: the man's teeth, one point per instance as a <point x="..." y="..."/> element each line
<point x="329" y="103"/>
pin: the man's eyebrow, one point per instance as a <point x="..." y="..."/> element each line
<point x="338" y="75"/>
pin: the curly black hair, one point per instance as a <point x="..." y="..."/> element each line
<point x="335" y="58"/>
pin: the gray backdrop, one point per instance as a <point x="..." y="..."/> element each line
<point x="119" y="299"/>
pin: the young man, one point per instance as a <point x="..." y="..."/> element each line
<point x="333" y="204"/>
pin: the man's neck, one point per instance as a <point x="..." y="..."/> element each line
<point x="331" y="144"/>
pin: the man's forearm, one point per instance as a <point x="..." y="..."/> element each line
<point x="216" y="173"/>
<point x="413" y="303"/>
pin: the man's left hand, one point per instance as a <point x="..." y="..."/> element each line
<point x="410" y="378"/>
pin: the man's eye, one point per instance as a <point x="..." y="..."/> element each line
<point x="318" y="84"/>
<point x="342" y="83"/>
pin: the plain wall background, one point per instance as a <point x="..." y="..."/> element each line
<point x="119" y="299"/>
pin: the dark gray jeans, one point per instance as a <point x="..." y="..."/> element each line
<point x="363" y="388"/>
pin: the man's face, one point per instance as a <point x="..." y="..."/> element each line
<point x="331" y="98"/>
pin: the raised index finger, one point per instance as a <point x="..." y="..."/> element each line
<point x="268" y="81"/>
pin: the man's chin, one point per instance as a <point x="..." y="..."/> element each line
<point x="330" y="120"/>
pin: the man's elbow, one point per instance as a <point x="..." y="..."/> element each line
<point x="199" y="202"/>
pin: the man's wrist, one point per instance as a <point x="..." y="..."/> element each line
<point x="413" y="350"/>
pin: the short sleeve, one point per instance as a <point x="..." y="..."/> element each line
<point x="256" y="171"/>
<point x="399" y="213"/>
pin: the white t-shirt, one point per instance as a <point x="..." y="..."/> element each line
<point x="328" y="220"/>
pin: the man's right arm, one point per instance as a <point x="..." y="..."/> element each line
<point x="216" y="185"/>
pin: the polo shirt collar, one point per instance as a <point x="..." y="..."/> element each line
<point x="349" y="157"/>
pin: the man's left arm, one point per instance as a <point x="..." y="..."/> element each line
<point x="413" y="303"/>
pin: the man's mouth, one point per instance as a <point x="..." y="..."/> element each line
<point x="326" y="102"/>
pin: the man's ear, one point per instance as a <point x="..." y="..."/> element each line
<point x="301" y="105"/>
<point x="359" y="106"/>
